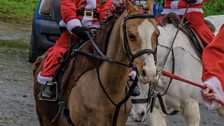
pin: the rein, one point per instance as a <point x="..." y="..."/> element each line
<point x="152" y="91"/>
<point x="131" y="58"/>
<point x="165" y="73"/>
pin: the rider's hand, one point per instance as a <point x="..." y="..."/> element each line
<point x="191" y="1"/>
<point x="208" y="94"/>
<point x="81" y="32"/>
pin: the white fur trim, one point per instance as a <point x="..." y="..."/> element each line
<point x="72" y="24"/>
<point x="214" y="84"/>
<point x="42" y="79"/>
<point x="181" y="11"/>
<point x="91" y="4"/>
<point x="87" y="22"/>
<point x="95" y="25"/>
<point x="132" y="74"/>
<point x="62" y="23"/>
<point x="174" y="4"/>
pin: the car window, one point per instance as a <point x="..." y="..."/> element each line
<point x="46" y="7"/>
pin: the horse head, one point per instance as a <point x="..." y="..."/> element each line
<point x="141" y="34"/>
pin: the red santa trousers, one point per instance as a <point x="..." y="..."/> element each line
<point x="197" y="22"/>
<point x="55" y="54"/>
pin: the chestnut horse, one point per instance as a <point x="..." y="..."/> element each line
<point x="87" y="103"/>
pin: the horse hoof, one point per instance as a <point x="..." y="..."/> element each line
<point x="220" y="111"/>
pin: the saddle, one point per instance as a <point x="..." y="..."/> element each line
<point x="189" y="32"/>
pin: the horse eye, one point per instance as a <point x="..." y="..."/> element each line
<point x="132" y="37"/>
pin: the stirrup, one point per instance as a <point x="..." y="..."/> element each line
<point x="53" y="99"/>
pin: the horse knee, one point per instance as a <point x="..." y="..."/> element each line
<point x="191" y="112"/>
<point x="220" y="111"/>
<point x="157" y="118"/>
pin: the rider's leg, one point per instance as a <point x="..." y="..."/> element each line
<point x="51" y="64"/>
<point x="197" y="22"/>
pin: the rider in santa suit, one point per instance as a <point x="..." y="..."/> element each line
<point x="213" y="70"/>
<point x="77" y="17"/>
<point x="194" y="16"/>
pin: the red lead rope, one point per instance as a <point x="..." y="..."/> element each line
<point x="168" y="74"/>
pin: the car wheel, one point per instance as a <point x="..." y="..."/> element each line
<point x="34" y="51"/>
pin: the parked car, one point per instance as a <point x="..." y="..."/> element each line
<point x="45" y="28"/>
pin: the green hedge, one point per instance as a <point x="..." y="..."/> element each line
<point x="215" y="7"/>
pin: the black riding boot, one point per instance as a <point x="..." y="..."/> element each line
<point x="47" y="92"/>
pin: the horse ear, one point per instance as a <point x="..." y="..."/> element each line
<point x="131" y="8"/>
<point x="150" y="6"/>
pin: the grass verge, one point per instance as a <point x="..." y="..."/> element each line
<point x="19" y="11"/>
<point x="14" y="44"/>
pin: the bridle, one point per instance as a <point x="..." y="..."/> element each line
<point x="131" y="58"/>
<point x="127" y="50"/>
<point x="100" y="56"/>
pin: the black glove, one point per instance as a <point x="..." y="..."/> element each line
<point x="81" y="32"/>
<point x="191" y="1"/>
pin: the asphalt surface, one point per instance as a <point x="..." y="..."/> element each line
<point x="17" y="103"/>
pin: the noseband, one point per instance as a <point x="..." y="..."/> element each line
<point x="132" y="57"/>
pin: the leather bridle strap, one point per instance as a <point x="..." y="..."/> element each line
<point x="127" y="49"/>
<point x="140" y="100"/>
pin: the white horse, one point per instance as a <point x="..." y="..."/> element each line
<point x="180" y="96"/>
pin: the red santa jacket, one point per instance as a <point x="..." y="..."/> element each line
<point x="69" y="9"/>
<point x="213" y="65"/>
<point x="179" y="6"/>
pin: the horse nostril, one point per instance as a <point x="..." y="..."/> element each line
<point x="143" y="73"/>
<point x="143" y="114"/>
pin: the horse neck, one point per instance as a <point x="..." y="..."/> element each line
<point x="184" y="55"/>
<point x="114" y="76"/>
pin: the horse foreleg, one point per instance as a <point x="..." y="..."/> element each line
<point x="220" y="111"/>
<point x="191" y="112"/>
<point x="157" y="118"/>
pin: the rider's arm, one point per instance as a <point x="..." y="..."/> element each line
<point x="68" y="13"/>
<point x="213" y="69"/>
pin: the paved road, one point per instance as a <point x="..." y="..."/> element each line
<point x="17" y="103"/>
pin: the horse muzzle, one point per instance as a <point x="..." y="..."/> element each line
<point x="147" y="76"/>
